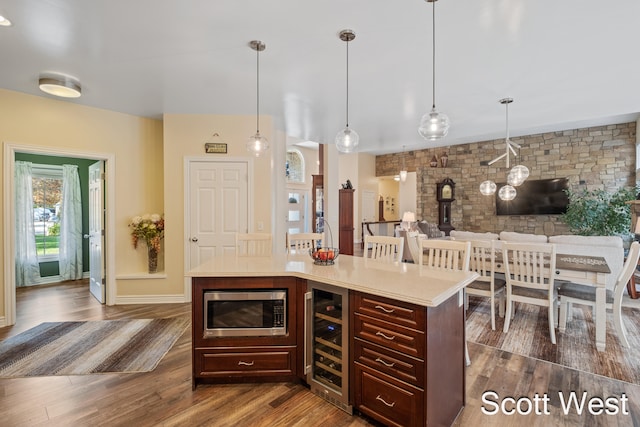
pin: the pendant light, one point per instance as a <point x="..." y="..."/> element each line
<point x="347" y="139"/>
<point x="488" y="187"/>
<point x="434" y="125"/>
<point x="403" y="171"/>
<point x="257" y="144"/>
<point x="507" y="192"/>
<point x="519" y="173"/>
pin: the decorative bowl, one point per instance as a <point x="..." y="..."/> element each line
<point x="324" y="256"/>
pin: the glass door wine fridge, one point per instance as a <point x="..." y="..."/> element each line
<point x="326" y="343"/>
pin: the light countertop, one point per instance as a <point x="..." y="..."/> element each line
<point x="401" y="281"/>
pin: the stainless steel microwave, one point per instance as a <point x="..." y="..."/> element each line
<point x="235" y="313"/>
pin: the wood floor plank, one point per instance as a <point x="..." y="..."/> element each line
<point x="164" y="397"/>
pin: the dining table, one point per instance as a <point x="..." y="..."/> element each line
<point x="585" y="270"/>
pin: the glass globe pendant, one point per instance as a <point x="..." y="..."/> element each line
<point x="257" y="144"/>
<point x="507" y="193"/>
<point x="518" y="175"/>
<point x="487" y="188"/>
<point x="434" y="125"/>
<point x="347" y="140"/>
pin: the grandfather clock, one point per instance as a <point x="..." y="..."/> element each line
<point x="445" y="194"/>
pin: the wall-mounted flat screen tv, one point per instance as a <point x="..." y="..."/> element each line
<point x="536" y="197"/>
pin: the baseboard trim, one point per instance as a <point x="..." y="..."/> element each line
<point x="150" y="299"/>
<point x="3" y="322"/>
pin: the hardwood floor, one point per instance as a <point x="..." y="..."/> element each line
<point x="164" y="397"/>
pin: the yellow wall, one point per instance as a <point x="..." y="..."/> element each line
<point x="149" y="158"/>
<point x="135" y="142"/>
<point x="185" y="136"/>
<point x="389" y="190"/>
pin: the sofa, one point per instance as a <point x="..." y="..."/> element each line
<point x="609" y="247"/>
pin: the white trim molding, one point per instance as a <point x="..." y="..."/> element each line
<point x="10" y="150"/>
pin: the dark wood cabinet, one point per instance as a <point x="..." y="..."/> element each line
<point x="406" y="361"/>
<point x="245" y="359"/>
<point x="403" y="375"/>
<point x="345" y="221"/>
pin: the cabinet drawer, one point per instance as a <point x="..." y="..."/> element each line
<point x="397" y="365"/>
<point x="392" y="404"/>
<point x="404" y="314"/>
<point x="404" y="340"/>
<point x="245" y="362"/>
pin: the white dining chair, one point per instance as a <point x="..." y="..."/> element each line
<point x="530" y="273"/>
<point x="452" y="255"/>
<point x="573" y="293"/>
<point x="384" y="248"/>
<point x="302" y="242"/>
<point x="483" y="261"/>
<point x="445" y="254"/>
<point x="253" y="244"/>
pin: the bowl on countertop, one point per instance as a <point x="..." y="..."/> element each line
<point x="324" y="256"/>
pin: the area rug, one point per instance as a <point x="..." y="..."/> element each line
<point x="79" y="348"/>
<point x="528" y="335"/>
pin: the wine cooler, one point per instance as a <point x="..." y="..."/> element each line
<point x="326" y="343"/>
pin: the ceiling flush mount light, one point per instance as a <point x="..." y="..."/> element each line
<point x="59" y="85"/>
<point x="257" y="144"/>
<point x="347" y="139"/>
<point x="403" y="171"/>
<point x="434" y="125"/>
<point x="4" y="22"/>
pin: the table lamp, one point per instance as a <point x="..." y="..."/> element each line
<point x="407" y="219"/>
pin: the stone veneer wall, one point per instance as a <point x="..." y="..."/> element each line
<point x="592" y="158"/>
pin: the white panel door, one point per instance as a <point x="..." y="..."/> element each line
<point x="96" y="231"/>
<point x="297" y="211"/>
<point x="218" y="208"/>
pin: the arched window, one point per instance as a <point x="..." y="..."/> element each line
<point x="295" y="167"/>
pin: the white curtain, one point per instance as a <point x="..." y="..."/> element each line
<point x="27" y="266"/>
<point x="70" y="225"/>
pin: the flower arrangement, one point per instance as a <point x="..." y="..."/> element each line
<point x="148" y="227"/>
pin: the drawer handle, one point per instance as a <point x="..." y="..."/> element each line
<point x="241" y="363"/>
<point x="386" y="310"/>
<point x="390" y="405"/>
<point x="387" y="364"/>
<point x="380" y="334"/>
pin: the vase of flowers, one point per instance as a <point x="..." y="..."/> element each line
<point x="150" y="229"/>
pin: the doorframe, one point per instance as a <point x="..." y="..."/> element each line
<point x="188" y="160"/>
<point x="10" y="150"/>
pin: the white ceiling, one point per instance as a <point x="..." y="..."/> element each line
<point x="567" y="64"/>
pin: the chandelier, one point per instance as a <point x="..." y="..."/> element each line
<point x="516" y="176"/>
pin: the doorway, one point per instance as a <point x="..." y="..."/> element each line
<point x="10" y="151"/>
<point x="218" y="205"/>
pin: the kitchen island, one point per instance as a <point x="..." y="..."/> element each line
<point x="405" y="326"/>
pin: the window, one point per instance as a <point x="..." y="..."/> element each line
<point x="47" y="194"/>
<point x="294" y="167"/>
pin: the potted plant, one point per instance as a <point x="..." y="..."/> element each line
<point x="599" y="213"/>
